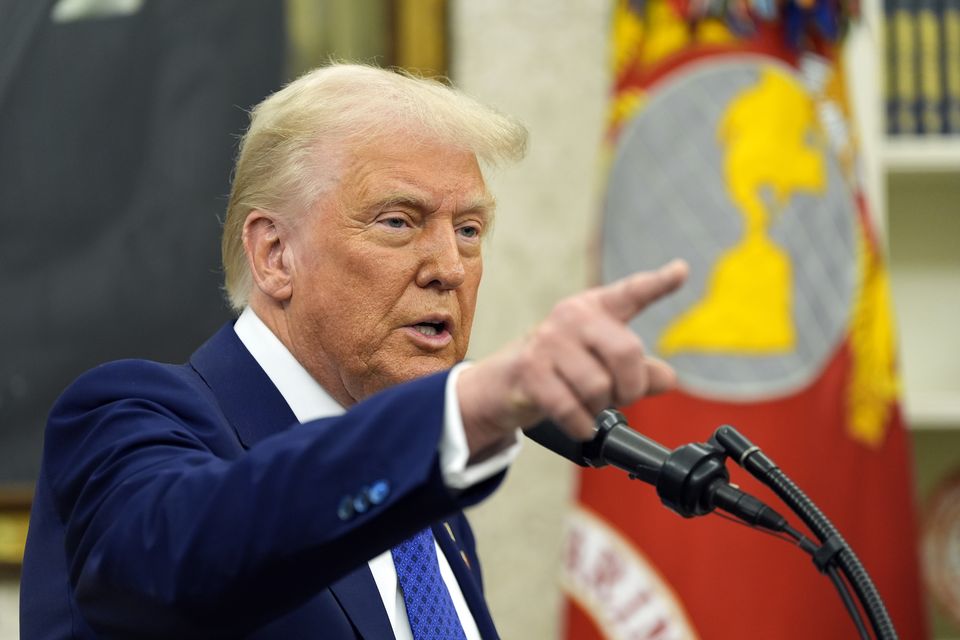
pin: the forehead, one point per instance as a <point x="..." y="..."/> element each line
<point x="404" y="167"/>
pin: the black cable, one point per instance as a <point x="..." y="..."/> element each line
<point x="802" y="541"/>
<point x="772" y="534"/>
<point x="842" y="587"/>
<point x="834" y="548"/>
<point x="867" y="592"/>
<point x="848" y="602"/>
<point x="796" y="538"/>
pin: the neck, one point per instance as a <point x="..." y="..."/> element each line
<point x="276" y="319"/>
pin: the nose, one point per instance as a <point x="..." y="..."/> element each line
<point x="441" y="264"/>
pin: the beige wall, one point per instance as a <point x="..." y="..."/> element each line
<point x="9" y="629"/>
<point x="543" y="61"/>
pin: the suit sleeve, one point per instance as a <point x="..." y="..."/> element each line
<point x="169" y="520"/>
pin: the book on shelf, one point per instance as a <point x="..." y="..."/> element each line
<point x="951" y="65"/>
<point x="889" y="68"/>
<point x="930" y="100"/>
<point x="902" y="45"/>
<point x="922" y="67"/>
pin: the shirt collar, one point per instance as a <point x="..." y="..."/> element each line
<point x="306" y="398"/>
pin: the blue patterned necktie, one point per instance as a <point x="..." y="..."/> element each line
<point x="429" y="607"/>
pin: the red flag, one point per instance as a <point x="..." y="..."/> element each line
<point x="734" y="151"/>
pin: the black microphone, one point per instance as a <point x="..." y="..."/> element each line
<point x="691" y="480"/>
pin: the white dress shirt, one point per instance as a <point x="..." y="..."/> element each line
<point x="309" y="401"/>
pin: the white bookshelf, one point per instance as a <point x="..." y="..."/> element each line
<point x="922" y="189"/>
<point x="915" y="154"/>
<point x="913" y="183"/>
<point x="931" y="409"/>
<point x="923" y="235"/>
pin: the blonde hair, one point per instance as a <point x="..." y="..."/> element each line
<point x="291" y="153"/>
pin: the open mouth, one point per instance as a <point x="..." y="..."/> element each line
<point x="430" y="328"/>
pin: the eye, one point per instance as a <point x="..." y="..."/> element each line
<point x="470" y="231"/>
<point x="394" y="222"/>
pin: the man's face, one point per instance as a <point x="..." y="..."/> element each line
<point x="386" y="268"/>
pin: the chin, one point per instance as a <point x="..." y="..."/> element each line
<point x="421" y="367"/>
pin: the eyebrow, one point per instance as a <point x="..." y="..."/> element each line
<point x="484" y="202"/>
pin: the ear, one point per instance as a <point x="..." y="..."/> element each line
<point x="268" y="255"/>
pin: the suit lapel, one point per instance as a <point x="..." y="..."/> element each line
<point x="357" y="593"/>
<point x="256" y="409"/>
<point x="469" y="584"/>
<point x="22" y="21"/>
<point x="249" y="400"/>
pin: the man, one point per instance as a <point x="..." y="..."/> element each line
<point x="187" y="501"/>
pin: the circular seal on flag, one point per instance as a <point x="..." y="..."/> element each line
<point x="616" y="585"/>
<point x="726" y="165"/>
<point x="941" y="545"/>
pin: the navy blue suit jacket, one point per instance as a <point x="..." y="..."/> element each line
<point x="180" y="501"/>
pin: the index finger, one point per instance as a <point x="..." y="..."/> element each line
<point x="628" y="296"/>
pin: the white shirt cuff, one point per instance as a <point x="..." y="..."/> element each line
<point x="454" y="452"/>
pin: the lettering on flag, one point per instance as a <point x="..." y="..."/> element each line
<point x="616" y="586"/>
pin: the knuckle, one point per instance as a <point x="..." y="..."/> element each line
<point x="628" y="349"/>
<point x="634" y="387"/>
<point x="548" y="333"/>
<point x="597" y="390"/>
<point x="570" y="310"/>
<point x="565" y="411"/>
<point x="531" y="368"/>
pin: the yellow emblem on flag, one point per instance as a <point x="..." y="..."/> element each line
<point x="765" y="132"/>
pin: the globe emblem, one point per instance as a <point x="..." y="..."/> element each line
<point x="725" y="166"/>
